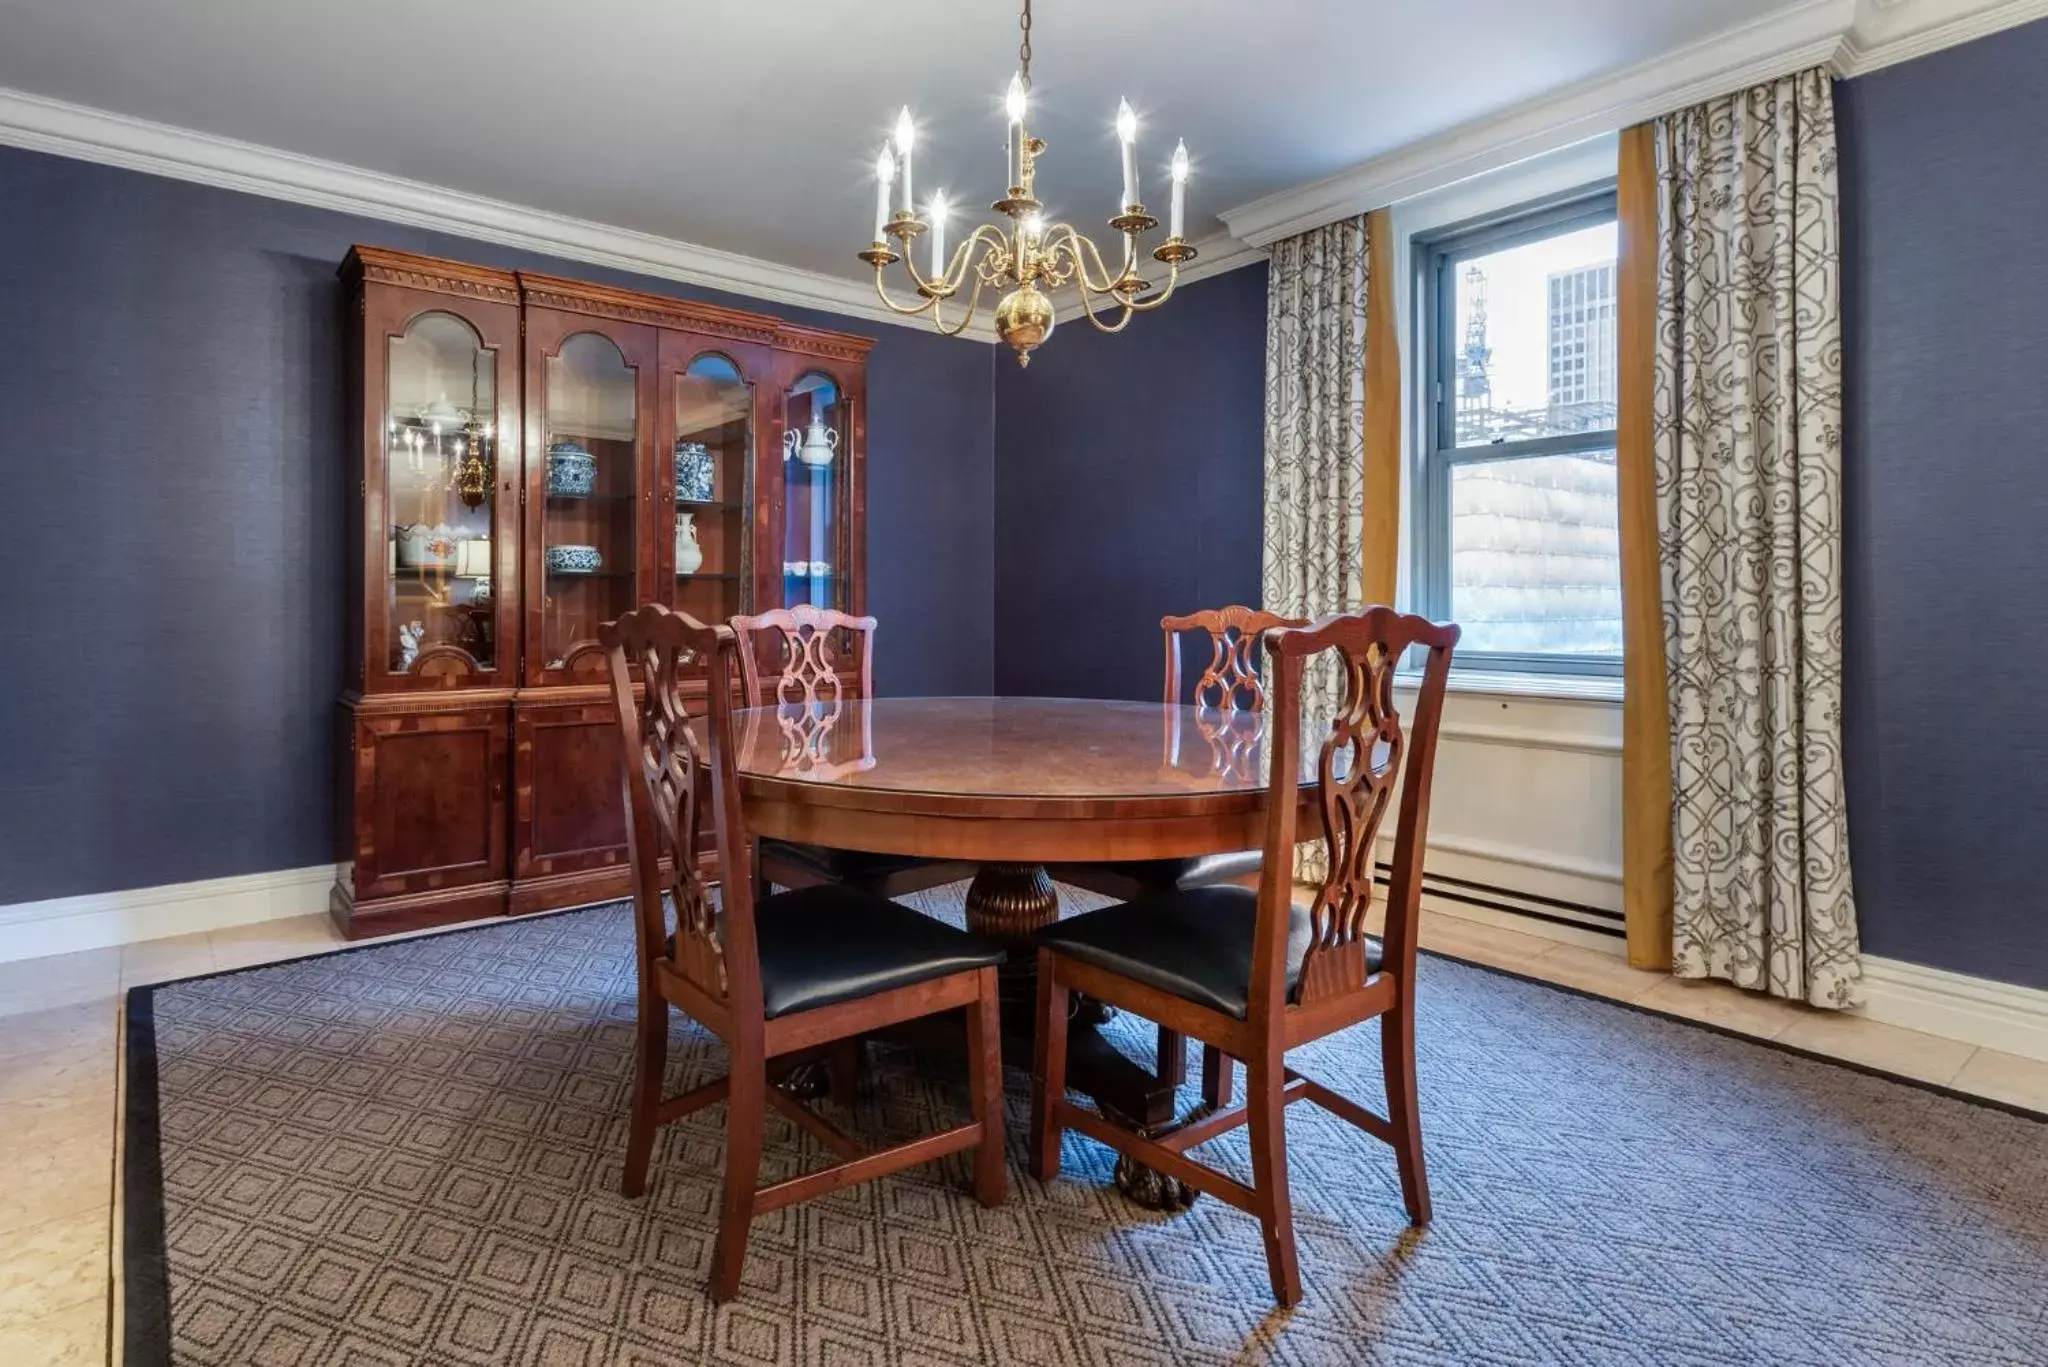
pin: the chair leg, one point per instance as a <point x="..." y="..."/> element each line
<point x="1265" y="1098"/>
<point x="843" y="1067"/>
<point x="1173" y="1057"/>
<point x="1216" y="1077"/>
<point x="1048" y="1071"/>
<point x="985" y="1080"/>
<point x="746" y="1116"/>
<point x="1397" y="1055"/>
<point x="650" y="1063"/>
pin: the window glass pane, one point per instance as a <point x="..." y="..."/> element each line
<point x="1534" y="351"/>
<point x="1535" y="564"/>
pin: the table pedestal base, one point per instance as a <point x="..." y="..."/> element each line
<point x="1011" y="902"/>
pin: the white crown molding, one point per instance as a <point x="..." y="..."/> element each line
<point x="1891" y="31"/>
<point x="1213" y="256"/>
<point x="70" y="130"/>
<point x="102" y="920"/>
<point x="1848" y="36"/>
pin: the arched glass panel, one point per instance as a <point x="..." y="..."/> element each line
<point x="587" y="533"/>
<point x="714" y="476"/>
<point x="812" y="544"/>
<point x="440" y="458"/>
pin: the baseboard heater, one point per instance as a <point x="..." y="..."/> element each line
<point x="1556" y="910"/>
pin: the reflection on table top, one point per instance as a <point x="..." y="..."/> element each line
<point x="1013" y="747"/>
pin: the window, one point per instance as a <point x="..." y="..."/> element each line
<point x="1516" y="511"/>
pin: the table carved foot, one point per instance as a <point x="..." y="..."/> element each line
<point x="1145" y="1185"/>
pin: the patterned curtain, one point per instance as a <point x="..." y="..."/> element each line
<point x="1747" y="441"/>
<point x="1316" y="306"/>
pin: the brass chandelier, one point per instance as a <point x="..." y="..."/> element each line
<point x="1030" y="257"/>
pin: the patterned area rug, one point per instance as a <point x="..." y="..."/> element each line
<point x="409" y="1154"/>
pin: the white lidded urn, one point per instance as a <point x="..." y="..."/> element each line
<point x="689" y="555"/>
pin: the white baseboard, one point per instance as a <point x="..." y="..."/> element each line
<point x="102" y="920"/>
<point x="1980" y="1011"/>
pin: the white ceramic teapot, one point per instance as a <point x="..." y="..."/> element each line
<point x="815" y="446"/>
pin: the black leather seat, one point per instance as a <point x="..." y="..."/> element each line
<point x="839" y="866"/>
<point x="1195" y="944"/>
<point x="1195" y="871"/>
<point x="828" y="944"/>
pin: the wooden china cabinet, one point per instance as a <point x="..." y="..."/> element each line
<point x="531" y="457"/>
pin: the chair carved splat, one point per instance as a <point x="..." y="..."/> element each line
<point x="671" y="759"/>
<point x="1357" y="772"/>
<point x="1231" y="682"/>
<point x="810" y="648"/>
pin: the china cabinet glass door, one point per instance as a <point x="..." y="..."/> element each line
<point x="590" y="515"/>
<point x="813" y="536"/>
<point x="440" y="462"/>
<point x="714" y="488"/>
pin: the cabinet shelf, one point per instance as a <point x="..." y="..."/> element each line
<point x="589" y="574"/>
<point x="591" y="498"/>
<point x="680" y="576"/>
<point x="716" y="505"/>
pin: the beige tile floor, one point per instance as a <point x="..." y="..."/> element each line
<point x="59" y="1058"/>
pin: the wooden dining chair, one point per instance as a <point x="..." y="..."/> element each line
<point x="797" y="660"/>
<point x="770" y="978"/>
<point x="1229" y="685"/>
<point x="1253" y="974"/>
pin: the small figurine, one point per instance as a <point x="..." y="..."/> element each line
<point x="409" y="638"/>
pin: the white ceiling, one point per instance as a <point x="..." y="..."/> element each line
<point x="750" y="125"/>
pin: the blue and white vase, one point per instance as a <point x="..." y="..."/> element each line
<point x="572" y="470"/>
<point x="694" y="477"/>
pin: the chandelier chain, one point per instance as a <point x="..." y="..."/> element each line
<point x="1024" y="47"/>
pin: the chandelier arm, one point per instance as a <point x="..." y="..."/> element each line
<point x="1088" y="307"/>
<point x="954" y="274"/>
<point x="1172" y="279"/>
<point x="1065" y="237"/>
<point x="967" y="318"/>
<point x="907" y="310"/>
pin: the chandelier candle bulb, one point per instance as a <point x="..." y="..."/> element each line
<point x="1127" y="134"/>
<point x="1013" y="105"/>
<point x="906" y="134"/>
<point x="885" y="172"/>
<point x="939" y="241"/>
<point x="1180" y="189"/>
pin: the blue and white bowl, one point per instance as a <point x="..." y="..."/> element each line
<point x="694" y="477"/>
<point x="572" y="470"/>
<point x="574" y="560"/>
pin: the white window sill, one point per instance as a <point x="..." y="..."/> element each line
<point x="1585" y="688"/>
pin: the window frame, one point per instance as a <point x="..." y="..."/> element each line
<point x="1437" y="255"/>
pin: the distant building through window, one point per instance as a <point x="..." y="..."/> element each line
<point x="1517" y="506"/>
<point x="1582" y="336"/>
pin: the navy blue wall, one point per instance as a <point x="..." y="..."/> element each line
<point x="1945" y="306"/>
<point x="1117" y="511"/>
<point x="171" y="500"/>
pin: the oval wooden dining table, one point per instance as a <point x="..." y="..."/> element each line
<point x="1015" y="784"/>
